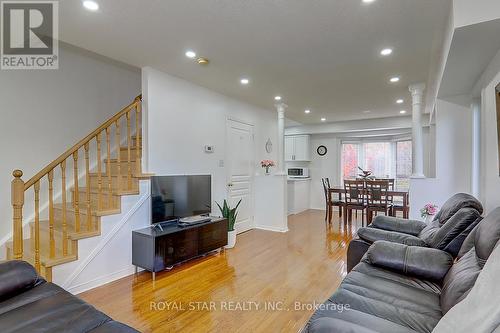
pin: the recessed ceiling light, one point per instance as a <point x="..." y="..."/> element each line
<point x="394" y="79"/>
<point x="368" y="1"/>
<point x="91" y="5"/>
<point x="277" y="98"/>
<point x="386" y="52"/>
<point x="190" y="54"/>
<point x="400" y="101"/>
<point x="367" y="111"/>
<point x="244" y="81"/>
<point x="323" y="119"/>
<point x="402" y="111"/>
<point x="307" y="111"/>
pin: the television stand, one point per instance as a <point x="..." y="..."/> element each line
<point x="155" y="249"/>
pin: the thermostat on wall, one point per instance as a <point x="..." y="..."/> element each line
<point x="209" y="149"/>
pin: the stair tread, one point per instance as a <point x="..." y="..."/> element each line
<point x="45" y="259"/>
<point x="83" y="211"/>
<point x="45" y="226"/>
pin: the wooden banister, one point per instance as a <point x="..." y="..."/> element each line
<point x="19" y="187"/>
<point x="81" y="143"/>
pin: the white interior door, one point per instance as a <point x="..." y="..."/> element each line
<point x="240" y="169"/>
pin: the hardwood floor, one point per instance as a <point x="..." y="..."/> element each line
<point x="304" y="265"/>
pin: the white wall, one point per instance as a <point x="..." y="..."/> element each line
<point x="467" y="12"/>
<point x="44" y="112"/>
<point x="184" y="117"/>
<point x="490" y="179"/>
<point x="453" y="157"/>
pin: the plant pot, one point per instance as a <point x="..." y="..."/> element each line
<point x="231" y="239"/>
<point x="429" y="218"/>
<point x="267" y="171"/>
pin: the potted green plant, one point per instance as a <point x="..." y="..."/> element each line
<point x="230" y="214"/>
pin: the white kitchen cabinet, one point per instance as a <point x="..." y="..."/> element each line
<point x="297" y="148"/>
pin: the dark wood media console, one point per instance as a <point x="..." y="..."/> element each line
<point x="155" y="249"/>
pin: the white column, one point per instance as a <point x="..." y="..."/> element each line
<point x="476" y="147"/>
<point x="417" y="95"/>
<point x="280" y="108"/>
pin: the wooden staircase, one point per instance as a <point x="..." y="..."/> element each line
<point x="111" y="167"/>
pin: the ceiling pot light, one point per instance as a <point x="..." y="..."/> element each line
<point x="307" y="111"/>
<point x="277" y="98"/>
<point x="202" y="61"/>
<point x="400" y="101"/>
<point x="368" y="1"/>
<point x="190" y="54"/>
<point x="394" y="79"/>
<point x="367" y="111"/>
<point x="386" y="52"/>
<point x="91" y="5"/>
<point x="402" y="111"/>
<point x="244" y="81"/>
<point x="323" y="119"/>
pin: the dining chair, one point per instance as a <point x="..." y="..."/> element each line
<point x="378" y="199"/>
<point x="398" y="206"/>
<point x="337" y="202"/>
<point x="354" y="198"/>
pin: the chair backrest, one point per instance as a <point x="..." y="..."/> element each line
<point x="391" y="182"/>
<point x="454" y="204"/>
<point x="376" y="192"/>
<point x="326" y="186"/>
<point x="474" y="253"/>
<point x="354" y="192"/>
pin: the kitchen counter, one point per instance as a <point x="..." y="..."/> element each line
<point x="292" y="179"/>
<point x="298" y="193"/>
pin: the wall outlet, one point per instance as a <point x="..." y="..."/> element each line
<point x="209" y="149"/>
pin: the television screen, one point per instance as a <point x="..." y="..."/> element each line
<point x="180" y="196"/>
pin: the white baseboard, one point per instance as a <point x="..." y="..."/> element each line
<point x="261" y="227"/>
<point x="99" y="281"/>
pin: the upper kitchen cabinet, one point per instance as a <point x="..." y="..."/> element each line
<point x="298" y="148"/>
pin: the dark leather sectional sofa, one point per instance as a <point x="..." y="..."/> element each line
<point x="456" y="219"/>
<point x="30" y="304"/>
<point x="399" y="288"/>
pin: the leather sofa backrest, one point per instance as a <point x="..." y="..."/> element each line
<point x="454" y="204"/>
<point x="17" y="277"/>
<point x="463" y="274"/>
<point x="438" y="235"/>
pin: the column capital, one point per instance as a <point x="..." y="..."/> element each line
<point x="417" y="88"/>
<point x="280" y="107"/>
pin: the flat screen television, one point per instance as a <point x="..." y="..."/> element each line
<point x="174" y="197"/>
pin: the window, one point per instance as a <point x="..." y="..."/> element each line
<point x="385" y="159"/>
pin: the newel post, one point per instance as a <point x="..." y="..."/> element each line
<point x="17" y="188"/>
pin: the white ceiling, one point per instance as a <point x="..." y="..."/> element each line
<point x="321" y="54"/>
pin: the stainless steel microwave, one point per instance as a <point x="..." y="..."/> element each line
<point x="298" y="172"/>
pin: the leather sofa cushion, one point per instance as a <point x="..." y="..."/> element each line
<point x="49" y="308"/>
<point x="385" y="301"/>
<point x="438" y="235"/>
<point x="487" y="236"/>
<point x="460" y="280"/>
<point x="389" y="223"/>
<point x="454" y="204"/>
<point x="335" y="325"/>
<point x="455" y="245"/>
<point x="420" y="262"/>
<point x="16" y="277"/>
<point x="372" y="234"/>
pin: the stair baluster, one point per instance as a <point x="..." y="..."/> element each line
<point x="118" y="153"/>
<point x="88" y="187"/>
<point x="76" y="195"/>
<point x="129" y="162"/>
<point x="108" y="168"/>
<point x="52" y="242"/>
<point x="36" y="188"/>
<point x="64" y="213"/>
<point x="137" y="136"/>
<point x="99" y="172"/>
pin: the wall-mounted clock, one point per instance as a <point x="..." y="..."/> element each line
<point x="322" y="150"/>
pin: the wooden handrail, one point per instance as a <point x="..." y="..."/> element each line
<point x="80" y="144"/>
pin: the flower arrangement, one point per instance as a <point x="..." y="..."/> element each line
<point x="266" y="164"/>
<point x="428" y="210"/>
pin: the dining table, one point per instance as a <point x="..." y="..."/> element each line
<point x="400" y="193"/>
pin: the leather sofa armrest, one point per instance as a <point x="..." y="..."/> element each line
<point x="410" y="227"/>
<point x="16" y="277"/>
<point x="419" y="262"/>
<point x="373" y="234"/>
<point x="336" y="325"/>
